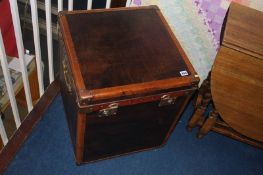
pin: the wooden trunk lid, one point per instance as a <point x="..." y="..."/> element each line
<point x="123" y="52"/>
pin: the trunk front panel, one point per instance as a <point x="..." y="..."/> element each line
<point x="133" y="128"/>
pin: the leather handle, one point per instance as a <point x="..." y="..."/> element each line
<point x="65" y="71"/>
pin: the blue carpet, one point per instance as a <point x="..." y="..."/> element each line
<point x="48" y="151"/>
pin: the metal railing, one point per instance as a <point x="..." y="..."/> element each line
<point x="20" y="47"/>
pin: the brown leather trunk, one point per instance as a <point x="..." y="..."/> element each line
<point x="125" y="80"/>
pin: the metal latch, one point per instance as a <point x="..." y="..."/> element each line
<point x="166" y="100"/>
<point x="109" y="111"/>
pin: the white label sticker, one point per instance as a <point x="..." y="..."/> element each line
<point x="183" y="73"/>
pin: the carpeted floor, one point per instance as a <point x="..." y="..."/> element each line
<point x="48" y="151"/>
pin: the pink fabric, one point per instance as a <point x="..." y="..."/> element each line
<point x="7" y="29"/>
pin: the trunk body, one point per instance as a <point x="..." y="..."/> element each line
<point x="125" y="80"/>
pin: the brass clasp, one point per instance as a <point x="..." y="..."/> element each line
<point x="166" y="100"/>
<point x="109" y="111"/>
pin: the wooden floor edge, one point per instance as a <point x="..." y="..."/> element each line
<point x="9" y="151"/>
